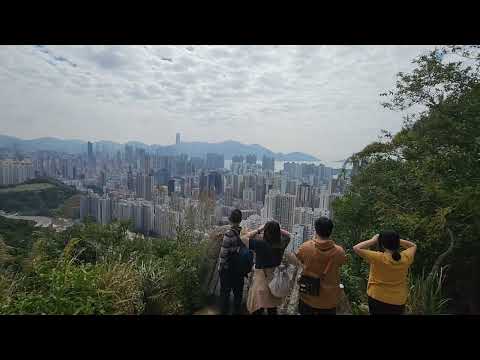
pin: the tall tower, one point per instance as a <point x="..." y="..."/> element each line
<point x="280" y="207"/>
<point x="90" y="150"/>
<point x="177" y="139"/>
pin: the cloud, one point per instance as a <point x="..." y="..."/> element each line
<point x="321" y="100"/>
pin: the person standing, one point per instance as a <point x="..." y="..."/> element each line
<point x="387" y="282"/>
<point x="321" y="259"/>
<point x="269" y="252"/>
<point x="231" y="278"/>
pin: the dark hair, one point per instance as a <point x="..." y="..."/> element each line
<point x="235" y="216"/>
<point x="271" y="232"/>
<point x="323" y="227"/>
<point x="390" y="240"/>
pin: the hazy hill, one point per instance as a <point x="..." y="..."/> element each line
<point x="228" y="148"/>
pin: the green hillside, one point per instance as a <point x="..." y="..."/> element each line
<point x="37" y="197"/>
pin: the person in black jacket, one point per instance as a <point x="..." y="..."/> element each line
<point x="230" y="280"/>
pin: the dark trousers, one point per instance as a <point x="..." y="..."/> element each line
<point x="376" y="307"/>
<point x="305" y="309"/>
<point x="270" y="311"/>
<point x="229" y="283"/>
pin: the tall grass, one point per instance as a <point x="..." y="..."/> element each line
<point x="426" y="294"/>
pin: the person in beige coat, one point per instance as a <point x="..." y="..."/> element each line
<point x="269" y="250"/>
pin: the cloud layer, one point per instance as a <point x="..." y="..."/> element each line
<point x="323" y="100"/>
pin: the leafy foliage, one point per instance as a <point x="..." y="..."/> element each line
<point x="425" y="180"/>
<point x="101" y="269"/>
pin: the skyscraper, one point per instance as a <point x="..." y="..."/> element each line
<point x="291" y="187"/>
<point x="128" y="153"/>
<point x="280" y="207"/>
<point x="268" y="163"/>
<point x="90" y="150"/>
<point x="228" y="196"/>
<point x="140" y="186"/>
<point x="215" y="182"/>
<point x="177" y="139"/>
<point x="304" y="195"/>
<point x="91" y="157"/>
<point x="149" y="182"/>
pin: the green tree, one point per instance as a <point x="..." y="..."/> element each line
<point x="425" y="180"/>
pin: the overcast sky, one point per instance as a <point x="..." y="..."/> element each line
<point x="322" y="100"/>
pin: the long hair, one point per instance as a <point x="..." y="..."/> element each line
<point x="271" y="233"/>
<point x="390" y="240"/>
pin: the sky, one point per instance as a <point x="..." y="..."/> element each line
<point x="321" y="100"/>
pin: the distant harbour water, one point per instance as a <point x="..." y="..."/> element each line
<point x="279" y="164"/>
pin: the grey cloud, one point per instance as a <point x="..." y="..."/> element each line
<point x="275" y="96"/>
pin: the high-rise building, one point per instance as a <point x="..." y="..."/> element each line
<point x="147" y="218"/>
<point x="140" y="186"/>
<point x="236" y="185"/>
<point x="280" y="207"/>
<point x="299" y="235"/>
<point x="268" y="163"/>
<point x="89" y="150"/>
<point x="215" y="182"/>
<point x="102" y="179"/>
<point x="177" y="139"/>
<point x="165" y="222"/>
<point x="128" y="154"/>
<point x="237" y="159"/>
<point x="251" y="159"/>
<point x="304" y="195"/>
<point x="14" y="172"/>
<point x="215" y="161"/>
<point x="138" y="216"/>
<point x="104" y="212"/>
<point x="130" y="180"/>
<point x="291" y="187"/>
<point x="149" y="183"/>
<point x="249" y="194"/>
<point x="228" y="196"/>
<point x="176" y="185"/>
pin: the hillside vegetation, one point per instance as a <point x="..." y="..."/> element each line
<point x="37" y="197"/>
<point x="425" y="183"/>
<point x="99" y="269"/>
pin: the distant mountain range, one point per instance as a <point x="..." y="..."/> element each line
<point x="228" y="148"/>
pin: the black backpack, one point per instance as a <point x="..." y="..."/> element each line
<point x="241" y="262"/>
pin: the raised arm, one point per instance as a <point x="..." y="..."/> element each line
<point x="251" y="234"/>
<point x="365" y="244"/>
<point x="406" y="244"/>
<point x="409" y="245"/>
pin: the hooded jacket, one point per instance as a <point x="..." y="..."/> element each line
<point x="314" y="256"/>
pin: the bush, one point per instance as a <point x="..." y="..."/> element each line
<point x="100" y="269"/>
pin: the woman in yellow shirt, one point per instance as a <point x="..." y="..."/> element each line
<point x="387" y="288"/>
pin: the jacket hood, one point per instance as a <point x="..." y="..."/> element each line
<point x="324" y="245"/>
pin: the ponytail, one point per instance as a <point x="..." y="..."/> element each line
<point x="396" y="255"/>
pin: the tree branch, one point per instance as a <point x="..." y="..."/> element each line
<point x="442" y="256"/>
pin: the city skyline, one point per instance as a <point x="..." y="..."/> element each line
<point x="313" y="99"/>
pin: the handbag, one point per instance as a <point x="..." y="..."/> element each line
<point x="309" y="285"/>
<point x="281" y="283"/>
